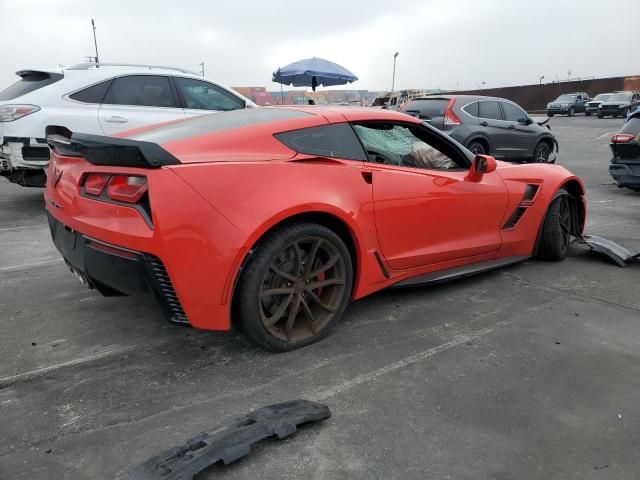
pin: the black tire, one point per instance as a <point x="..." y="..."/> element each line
<point x="477" y="148"/>
<point x="600" y="115"/>
<point x="587" y="114"/>
<point x="625" y="112"/>
<point x="571" y="112"/>
<point x="542" y="152"/>
<point x="556" y="229"/>
<point x="549" y="115"/>
<point x="280" y="268"/>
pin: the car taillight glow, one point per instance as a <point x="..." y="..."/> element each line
<point x="94" y="183"/>
<point x="622" y="138"/>
<point x="9" y="113"/>
<point x="450" y="118"/>
<point x="127" y="188"/>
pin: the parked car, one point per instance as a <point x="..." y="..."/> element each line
<point x="101" y="101"/>
<point x="273" y="219"/>
<point x="594" y="103"/>
<point x="625" y="147"/>
<point x="619" y="104"/>
<point x="487" y="125"/>
<point x="568" y="104"/>
<point x="400" y="97"/>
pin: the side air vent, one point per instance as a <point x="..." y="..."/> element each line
<point x="165" y="291"/>
<point x="515" y="218"/>
<point x="530" y="192"/>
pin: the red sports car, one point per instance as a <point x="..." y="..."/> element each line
<point x="275" y="218"/>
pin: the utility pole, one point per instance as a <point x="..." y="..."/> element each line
<point x="393" y="81"/>
<point x="202" y="68"/>
<point x="541" y="78"/>
<point x="95" y="41"/>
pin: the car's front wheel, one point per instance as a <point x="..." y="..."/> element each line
<point x="556" y="229"/>
<point x="571" y="112"/>
<point x="295" y="287"/>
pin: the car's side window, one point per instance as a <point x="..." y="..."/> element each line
<point x="336" y="140"/>
<point x="489" y="109"/>
<point x="513" y="113"/>
<point x="405" y="145"/>
<point x="201" y="95"/>
<point x="92" y="94"/>
<point x="471" y="109"/>
<point x="141" y="90"/>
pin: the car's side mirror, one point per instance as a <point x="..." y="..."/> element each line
<point x="480" y="165"/>
<point x="525" y="121"/>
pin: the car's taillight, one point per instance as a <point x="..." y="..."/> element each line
<point x="127" y="188"/>
<point x="94" y="183"/>
<point x="622" y="138"/>
<point x="450" y="118"/>
<point x="9" y="113"/>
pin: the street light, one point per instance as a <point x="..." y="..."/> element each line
<point x="480" y="86"/>
<point x="541" y="78"/>
<point x="393" y="81"/>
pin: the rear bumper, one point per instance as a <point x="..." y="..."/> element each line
<point x="114" y="270"/>
<point x="624" y="174"/>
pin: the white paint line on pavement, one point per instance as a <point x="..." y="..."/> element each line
<point x="24" y="266"/>
<point x="8" y="229"/>
<point x="410" y="360"/>
<point x="107" y="352"/>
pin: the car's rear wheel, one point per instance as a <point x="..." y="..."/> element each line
<point x="556" y="229"/>
<point x="600" y="115"/>
<point x="542" y="152"/>
<point x="571" y="112"/>
<point x="295" y="287"/>
<point x="477" y="148"/>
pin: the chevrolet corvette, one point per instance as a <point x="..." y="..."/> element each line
<point x="274" y="219"/>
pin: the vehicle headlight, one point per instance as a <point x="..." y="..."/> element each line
<point x="564" y="105"/>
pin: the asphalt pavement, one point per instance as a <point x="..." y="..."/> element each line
<point x="530" y="372"/>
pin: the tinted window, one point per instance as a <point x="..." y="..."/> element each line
<point x="403" y="146"/>
<point x="512" y="113"/>
<point x="602" y="96"/>
<point x="620" y="97"/>
<point x="142" y="90"/>
<point x="327" y="140"/>
<point x="566" y="98"/>
<point x="29" y="83"/>
<point x="490" y="109"/>
<point x="430" y="108"/>
<point x="472" y="109"/>
<point x="632" y="126"/>
<point x="207" y="96"/>
<point x="93" y="94"/>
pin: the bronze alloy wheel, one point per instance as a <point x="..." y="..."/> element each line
<point x="564" y="219"/>
<point x="302" y="289"/>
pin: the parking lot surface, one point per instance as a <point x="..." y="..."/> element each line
<point x="530" y="372"/>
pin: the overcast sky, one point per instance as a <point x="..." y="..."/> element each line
<point x="442" y="43"/>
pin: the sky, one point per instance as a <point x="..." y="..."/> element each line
<point x="445" y="44"/>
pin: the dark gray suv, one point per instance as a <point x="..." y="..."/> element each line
<point x="490" y="125"/>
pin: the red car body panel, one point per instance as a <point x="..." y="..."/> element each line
<point x="236" y="184"/>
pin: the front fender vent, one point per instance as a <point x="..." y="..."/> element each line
<point x="527" y="200"/>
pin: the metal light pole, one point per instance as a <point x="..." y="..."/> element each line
<point x="541" y="78"/>
<point x="202" y="68"/>
<point x="95" y="42"/>
<point x="393" y="81"/>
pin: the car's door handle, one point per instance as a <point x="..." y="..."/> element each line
<point x="116" y="119"/>
<point x="484" y="124"/>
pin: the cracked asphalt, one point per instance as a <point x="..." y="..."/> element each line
<point x="530" y="372"/>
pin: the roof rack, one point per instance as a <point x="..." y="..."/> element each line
<point x="87" y="66"/>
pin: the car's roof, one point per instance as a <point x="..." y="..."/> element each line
<point x="249" y="134"/>
<point x="448" y="96"/>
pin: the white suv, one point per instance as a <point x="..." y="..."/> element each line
<point x="101" y="99"/>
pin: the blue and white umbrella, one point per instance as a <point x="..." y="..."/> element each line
<point x="312" y="72"/>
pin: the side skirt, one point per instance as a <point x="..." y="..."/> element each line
<point x="458" y="272"/>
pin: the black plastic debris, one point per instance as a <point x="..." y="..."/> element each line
<point x="229" y="441"/>
<point x="616" y="252"/>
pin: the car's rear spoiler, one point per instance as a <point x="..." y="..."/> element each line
<point x="114" y="152"/>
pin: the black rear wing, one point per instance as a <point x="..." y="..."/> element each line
<point x="111" y="151"/>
